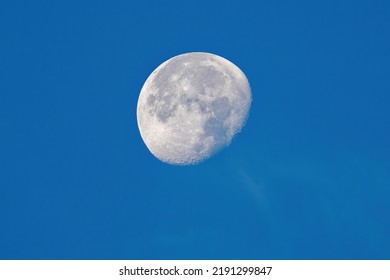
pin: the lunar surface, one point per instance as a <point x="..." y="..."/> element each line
<point x="191" y="106"/>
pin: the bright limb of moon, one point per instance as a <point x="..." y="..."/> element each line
<point x="191" y="106"/>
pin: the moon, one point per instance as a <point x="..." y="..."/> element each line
<point x="192" y="106"/>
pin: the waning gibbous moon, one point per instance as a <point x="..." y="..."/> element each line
<point x="191" y="106"/>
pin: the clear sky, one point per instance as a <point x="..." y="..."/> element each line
<point x="308" y="177"/>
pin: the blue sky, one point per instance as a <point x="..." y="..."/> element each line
<point x="308" y="177"/>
